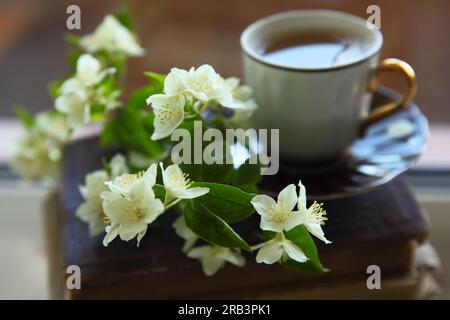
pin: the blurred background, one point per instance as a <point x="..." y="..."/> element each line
<point x="189" y="33"/>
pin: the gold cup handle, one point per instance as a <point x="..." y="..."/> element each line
<point x="384" y="111"/>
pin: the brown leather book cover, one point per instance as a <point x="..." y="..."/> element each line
<point x="379" y="227"/>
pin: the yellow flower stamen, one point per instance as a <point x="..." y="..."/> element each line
<point x="279" y="213"/>
<point x="318" y="212"/>
<point x="181" y="181"/>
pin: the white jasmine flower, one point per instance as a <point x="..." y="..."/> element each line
<point x="241" y="96"/>
<point x="89" y="70"/>
<point x="78" y="93"/>
<point x="278" y="216"/>
<point x="38" y="153"/>
<point x="124" y="183"/>
<point x="112" y="37"/>
<point x="214" y="257"/>
<point x="35" y="157"/>
<point x="108" y="100"/>
<point x="239" y="92"/>
<point x="178" y="184"/>
<point x="202" y="83"/>
<point x="131" y="207"/>
<point x="183" y="231"/>
<point x="118" y="165"/>
<point x="279" y="248"/>
<point x="75" y="105"/>
<point x="53" y="125"/>
<point x="91" y="211"/>
<point x="242" y="114"/>
<point x="313" y="217"/>
<point x="169" y="114"/>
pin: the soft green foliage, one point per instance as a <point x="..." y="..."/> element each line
<point x="24" y="117"/>
<point x="229" y="203"/>
<point x="53" y="88"/>
<point x="130" y="131"/>
<point x="132" y="125"/>
<point x="123" y="16"/>
<point x="160" y="191"/>
<point x="301" y="237"/>
<point x="208" y="225"/>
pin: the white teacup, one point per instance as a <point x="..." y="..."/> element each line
<point x="320" y="111"/>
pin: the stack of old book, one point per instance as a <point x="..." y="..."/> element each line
<point x="384" y="227"/>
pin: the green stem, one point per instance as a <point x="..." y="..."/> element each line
<point x="172" y="204"/>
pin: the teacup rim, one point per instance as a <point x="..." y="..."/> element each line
<point x="251" y="53"/>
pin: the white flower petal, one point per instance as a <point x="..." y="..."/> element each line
<point x="302" y="197"/>
<point x="191" y="193"/>
<point x="293" y="251"/>
<point x="183" y="231"/>
<point x="140" y="236"/>
<point x="269" y="253"/>
<point x="129" y="231"/>
<point x="200" y="252"/>
<point x="169" y="175"/>
<point x="73" y="104"/>
<point x="118" y="165"/>
<point x="111" y="233"/>
<point x="288" y="197"/>
<point x="317" y="231"/>
<point x="150" y="175"/>
<point x="53" y="126"/>
<point x="270" y="225"/>
<point x="88" y="69"/>
<point x="235" y="258"/>
<point x="294" y="219"/>
<point x="91" y="212"/>
<point x="188" y="244"/>
<point x="112" y="37"/>
<point x="157" y="208"/>
<point x="211" y="265"/>
<point x="169" y="114"/>
<point x="263" y="204"/>
<point x="174" y="82"/>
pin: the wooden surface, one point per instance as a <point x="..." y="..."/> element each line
<point x="380" y="227"/>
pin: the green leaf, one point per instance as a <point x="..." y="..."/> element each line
<point x="227" y="202"/>
<point x="247" y="176"/>
<point x="106" y="166"/>
<point x="72" y="56"/>
<point x="212" y="228"/>
<point x="131" y="130"/>
<point x="156" y="81"/>
<point x="248" y="173"/>
<point x="160" y="192"/>
<point x="137" y="100"/>
<point x="301" y="238"/>
<point x="218" y="173"/>
<point x="123" y="16"/>
<point x="72" y="39"/>
<point x="26" y="118"/>
<point x="53" y="88"/>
